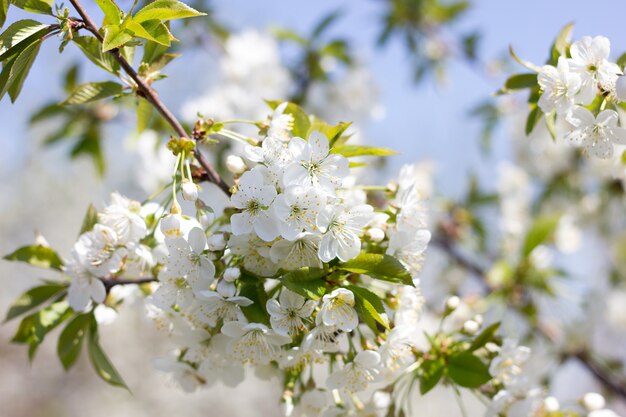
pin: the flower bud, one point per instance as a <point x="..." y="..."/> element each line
<point x="593" y="401"/>
<point x="453" y="303"/>
<point x="216" y="242"/>
<point x="620" y="88"/>
<point x="231" y="274"/>
<point x="235" y="164"/>
<point x="190" y="190"/>
<point x="226" y="289"/>
<point x="376" y="234"/>
<point x="478" y="319"/>
<point x="204" y="214"/>
<point x="471" y="327"/>
<point x="170" y="225"/>
<point x="551" y="405"/>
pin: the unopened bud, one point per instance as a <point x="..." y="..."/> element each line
<point x="231" y="274"/>
<point x="376" y="234"/>
<point x="471" y="327"/>
<point x="235" y="164"/>
<point x="216" y="242"/>
<point x="190" y="190"/>
<point x="453" y="303"/>
<point x="593" y="401"/>
<point x="170" y="225"/>
<point x="551" y="405"/>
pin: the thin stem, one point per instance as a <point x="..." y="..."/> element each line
<point x="144" y="90"/>
<point x="459" y="400"/>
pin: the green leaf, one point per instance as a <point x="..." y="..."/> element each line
<point x="37" y="255"/>
<point x="253" y="289"/>
<point x="33" y="298"/>
<point x="484" y="337"/>
<point x="522" y="62"/>
<point x="152" y="51"/>
<point x="90" y="219"/>
<point x="35" y="6"/>
<point x="540" y="231"/>
<point x="19" y="35"/>
<point x="166" y="10"/>
<point x="115" y="36"/>
<point x="89" y="144"/>
<point x="358" y="150"/>
<point x="468" y="370"/>
<point x="561" y="43"/>
<point x="71" y="340"/>
<point x="521" y="81"/>
<point x="335" y="134"/>
<point x="144" y="114"/>
<point x="431" y="373"/>
<point x="34" y="328"/>
<point x="370" y="308"/>
<point x="533" y="118"/>
<point x="20" y="69"/>
<point x="92" y="49"/>
<point x="4" y="8"/>
<point x="383" y="267"/>
<point x="288" y="35"/>
<point x="308" y="282"/>
<point x="621" y="61"/>
<point x="112" y="13"/>
<point x="86" y="93"/>
<point x="99" y="360"/>
<point x="152" y="30"/>
<point x="301" y="122"/>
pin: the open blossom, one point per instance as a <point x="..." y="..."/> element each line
<point x="222" y="304"/>
<point x="590" y="61"/>
<point x="99" y="251"/>
<point x="297" y="209"/>
<point x="172" y="291"/>
<point x="84" y="286"/>
<point x="254" y="198"/>
<point x="342" y="228"/>
<point x="255" y="253"/>
<point x="272" y="152"/>
<point x="313" y="164"/>
<point x="338" y="310"/>
<point x="287" y="314"/>
<point x="409" y="246"/>
<point x="186" y="260"/>
<point x="182" y="373"/>
<point x="281" y="123"/>
<point x="358" y="374"/>
<point x="508" y="366"/>
<point x="596" y="135"/>
<point x="253" y="342"/>
<point x="560" y="87"/>
<point x="122" y="215"/>
<point x="298" y="253"/>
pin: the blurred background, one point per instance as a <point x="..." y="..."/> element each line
<point x="429" y="99"/>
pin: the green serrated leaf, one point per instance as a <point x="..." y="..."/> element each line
<point x="152" y="30"/>
<point x="379" y="266"/>
<point x="484" y="337"/>
<point x="431" y="373"/>
<point x="112" y="13"/>
<point x="369" y="308"/>
<point x="467" y="370"/>
<point x="19" y="35"/>
<point x="358" y="150"/>
<point x="71" y="340"/>
<point x="86" y="93"/>
<point x="521" y="81"/>
<point x="308" y="282"/>
<point x="115" y="36"/>
<point x="37" y="255"/>
<point x="540" y="232"/>
<point x="20" y="69"/>
<point x="92" y="49"/>
<point x="35" y="6"/>
<point x="166" y="10"/>
<point x="33" y="298"/>
<point x="99" y="360"/>
<point x="34" y="328"/>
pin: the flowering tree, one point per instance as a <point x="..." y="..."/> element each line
<point x="295" y="265"/>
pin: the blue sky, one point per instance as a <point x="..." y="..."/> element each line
<point x="425" y="121"/>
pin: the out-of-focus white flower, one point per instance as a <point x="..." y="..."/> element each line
<point x="281" y="124"/>
<point x="84" y="286"/>
<point x="122" y="216"/>
<point x="593" y="401"/>
<point x="183" y="374"/>
<point x="358" y="374"/>
<point x="596" y="135"/>
<point x="338" y="310"/>
<point x="590" y="61"/>
<point x="508" y="366"/>
<point x="560" y="87"/>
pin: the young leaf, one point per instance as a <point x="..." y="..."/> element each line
<point x="533" y="118"/>
<point x="152" y="30"/>
<point x="21" y="68"/>
<point x="165" y="10"/>
<point x="467" y="370"/>
<point x="539" y="232"/>
<point x="86" y="93"/>
<point x="521" y="81"/>
<point x="37" y="255"/>
<point x="34" y="328"/>
<point x="92" y="49"/>
<point x="112" y="13"/>
<point x="431" y="373"/>
<point x="4" y="8"/>
<point x="561" y="43"/>
<point x="90" y="219"/>
<point x="358" y="150"/>
<point x="71" y="340"/>
<point x="369" y="307"/>
<point x="101" y="363"/>
<point x="308" y="282"/>
<point x="33" y="298"/>
<point x="383" y="267"/>
<point x="152" y="51"/>
<point x="19" y="35"/>
<point x="484" y="337"/>
<point x="35" y="6"/>
<point x="115" y="36"/>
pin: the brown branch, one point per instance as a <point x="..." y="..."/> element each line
<point x="146" y="91"/>
<point x="609" y="380"/>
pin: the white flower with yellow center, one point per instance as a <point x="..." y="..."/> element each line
<point x="84" y="286"/>
<point x="222" y="304"/>
<point x="255" y="253"/>
<point x="560" y="87"/>
<point x="596" y="135"/>
<point x="298" y="253"/>
<point x="338" y="310"/>
<point x="186" y="259"/>
<point x="287" y="314"/>
<point x="358" y="374"/>
<point x="281" y="123"/>
<point x="508" y="366"/>
<point x="297" y="209"/>
<point x="122" y="215"/>
<point x="342" y="229"/>
<point x="99" y="251"/>
<point x="253" y="343"/>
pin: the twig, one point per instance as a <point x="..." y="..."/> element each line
<point x="151" y="95"/>
<point x="609" y="380"/>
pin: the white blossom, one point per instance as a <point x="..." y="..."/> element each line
<point x="560" y="87"/>
<point x="297" y="209"/>
<point x="253" y="343"/>
<point x="342" y="228"/>
<point x="287" y="314"/>
<point x="338" y="310"/>
<point x="596" y="135"/>
<point x="358" y="374"/>
<point x="186" y="260"/>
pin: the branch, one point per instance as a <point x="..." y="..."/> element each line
<point x="153" y="98"/>
<point x="609" y="380"/>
